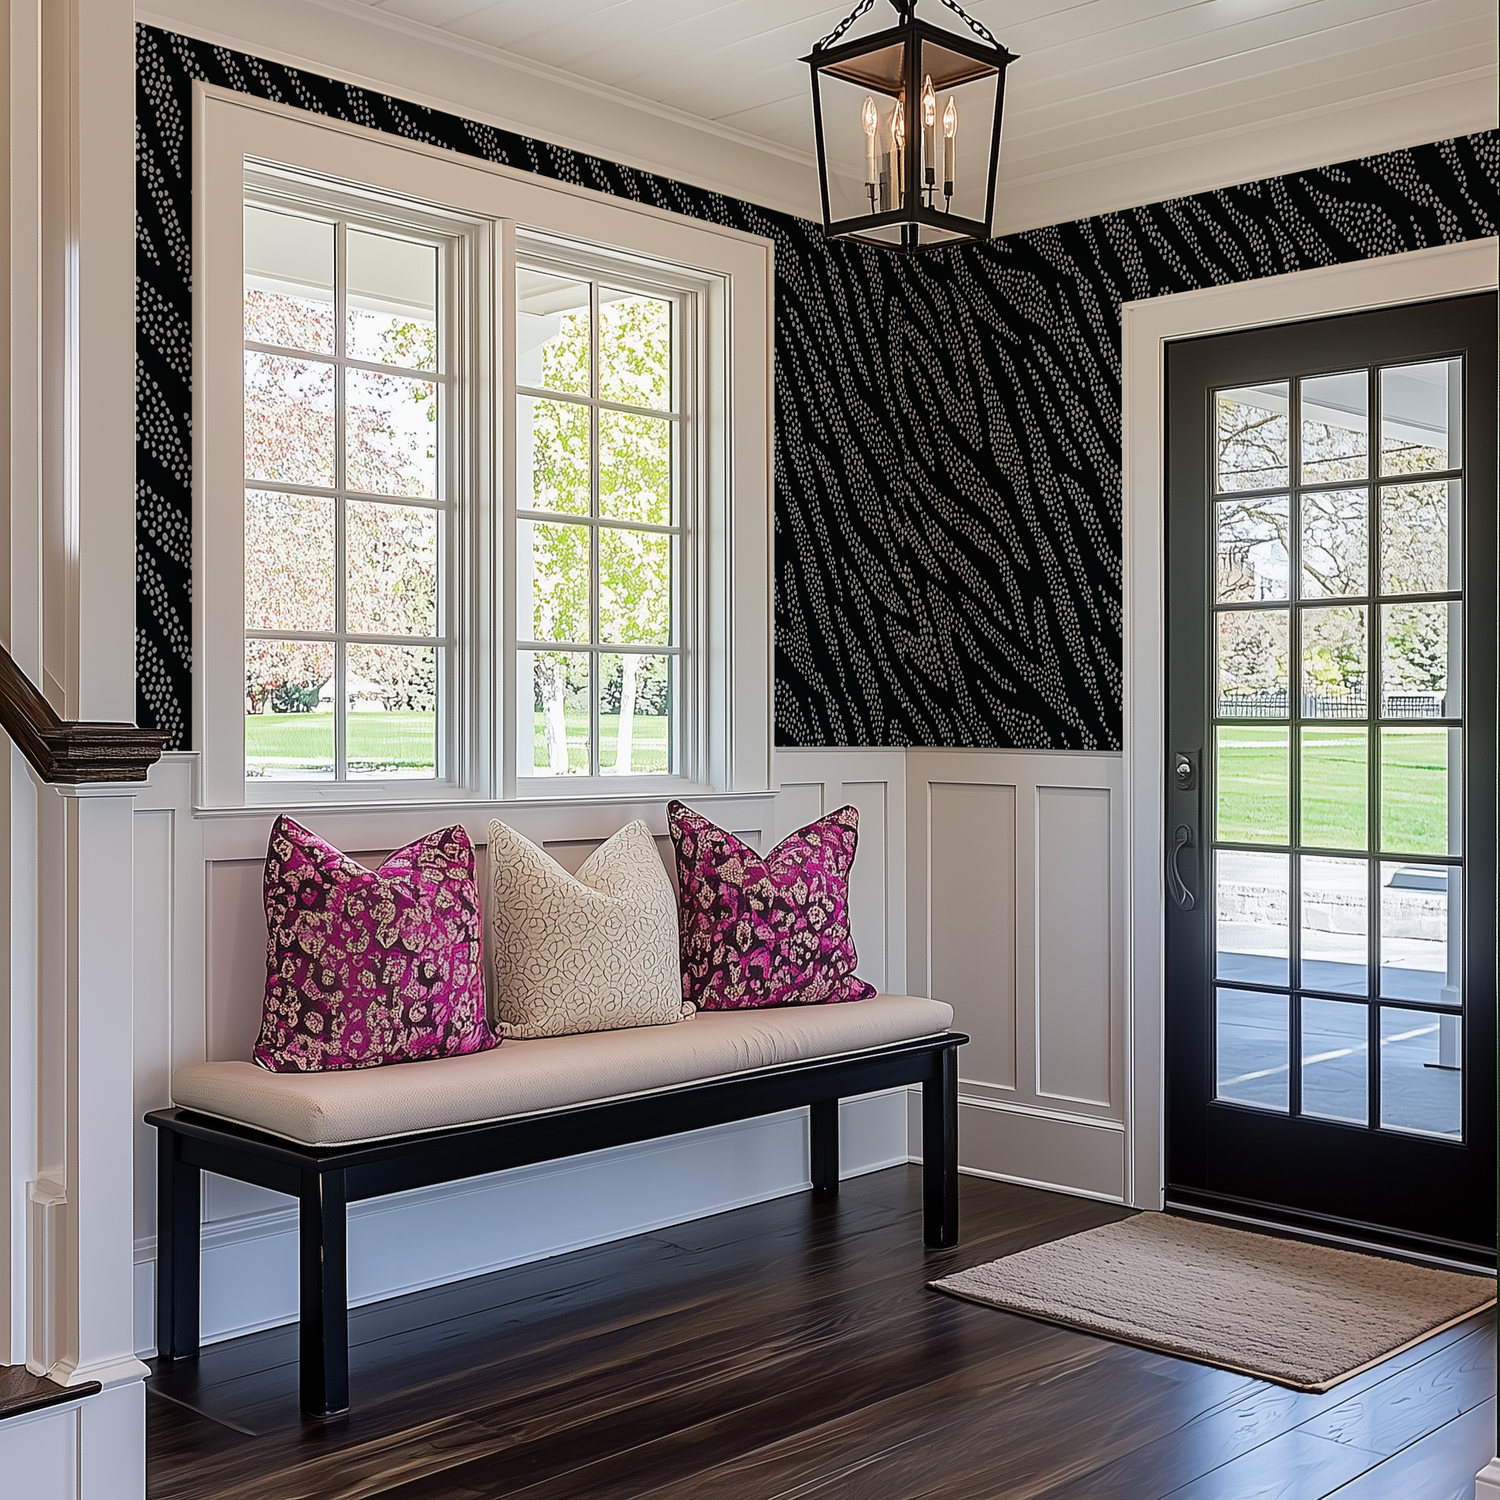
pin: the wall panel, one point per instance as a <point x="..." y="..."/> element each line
<point x="1015" y="917"/>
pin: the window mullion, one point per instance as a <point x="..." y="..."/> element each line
<point x="596" y="748"/>
<point x="340" y="528"/>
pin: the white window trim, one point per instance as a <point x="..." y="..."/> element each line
<point x="733" y="649"/>
<point x="1146" y="327"/>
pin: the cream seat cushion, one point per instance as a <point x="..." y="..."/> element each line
<point x="533" y="1077"/>
<point x="586" y="952"/>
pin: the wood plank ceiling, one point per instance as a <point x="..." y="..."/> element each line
<point x="1102" y="84"/>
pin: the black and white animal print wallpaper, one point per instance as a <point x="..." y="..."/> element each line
<point x="948" y="447"/>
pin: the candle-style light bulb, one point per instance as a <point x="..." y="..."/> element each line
<point x="898" y="149"/>
<point x="870" y="119"/>
<point x="929" y="137"/>
<point x="950" y="132"/>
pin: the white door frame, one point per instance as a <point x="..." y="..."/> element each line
<point x="1145" y="327"/>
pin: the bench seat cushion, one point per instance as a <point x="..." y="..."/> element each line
<point x="549" y="1073"/>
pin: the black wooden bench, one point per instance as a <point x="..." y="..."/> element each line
<point x="325" y="1180"/>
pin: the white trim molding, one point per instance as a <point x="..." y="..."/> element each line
<point x="1146" y="327"/>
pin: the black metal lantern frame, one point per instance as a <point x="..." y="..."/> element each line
<point x="908" y="65"/>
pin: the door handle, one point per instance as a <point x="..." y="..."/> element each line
<point x="1182" y="839"/>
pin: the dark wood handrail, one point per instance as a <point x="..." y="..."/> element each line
<point x="71" y="751"/>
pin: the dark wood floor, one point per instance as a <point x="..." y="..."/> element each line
<point x="792" y="1350"/>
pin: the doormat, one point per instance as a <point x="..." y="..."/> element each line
<point x="1301" y="1315"/>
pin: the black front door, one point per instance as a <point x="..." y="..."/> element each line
<point x="1331" y="797"/>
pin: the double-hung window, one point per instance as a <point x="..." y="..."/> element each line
<point x="481" y="479"/>
<point x="602" y="549"/>
<point x="349" y="493"/>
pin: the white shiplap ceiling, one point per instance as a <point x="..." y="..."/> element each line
<point x="1114" y="102"/>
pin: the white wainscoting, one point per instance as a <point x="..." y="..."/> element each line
<point x="1015" y="917"/>
<point x="200" y="969"/>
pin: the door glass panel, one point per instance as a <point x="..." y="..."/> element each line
<point x="1335" y="543"/>
<point x="1421" y="664"/>
<point x="1253" y="664"/>
<point x="1335" y="786"/>
<point x="1335" y="924"/>
<point x="1333" y="662"/>
<point x="1253" y="438"/>
<point x="1250" y="780"/>
<point x="1421" y="423"/>
<point x="1251" y="900"/>
<point x="1421" y="808"/>
<point x="1421" y="538"/>
<point x="1335" y="1060"/>
<point x="1252" y="549"/>
<point x="1335" y="427"/>
<point x="1421" y="1072"/>
<point x="1250" y="1048"/>
<point x="1421" y="914"/>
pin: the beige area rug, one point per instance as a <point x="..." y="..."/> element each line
<point x="1302" y="1315"/>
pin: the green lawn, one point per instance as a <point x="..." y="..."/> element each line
<point x="648" y="751"/>
<point x="284" y="744"/>
<point x="1252" y="787"/>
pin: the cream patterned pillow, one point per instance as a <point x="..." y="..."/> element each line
<point x="591" y="952"/>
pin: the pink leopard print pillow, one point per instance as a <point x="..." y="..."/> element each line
<point x="365" y="967"/>
<point x="765" y="931"/>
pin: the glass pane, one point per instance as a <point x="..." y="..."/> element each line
<point x="635" y="713"/>
<point x="635" y="349"/>
<point x="1421" y="417"/>
<point x="288" y="561"/>
<point x="1336" y="1061"/>
<point x="1421" y="658"/>
<point x="635" y="587"/>
<point x="1250" y="1049"/>
<point x="555" y="605"/>
<point x="392" y="699"/>
<point x="288" y="710"/>
<point x="1421" y="791"/>
<point x="1335" y="427"/>
<point x="392" y="301"/>
<point x="288" y="281"/>
<point x="1252" y="664"/>
<point x="635" y="468"/>
<point x="288" y="419"/>
<point x="1421" y="1072"/>
<point x="1253" y="446"/>
<point x="1421" y="933"/>
<point x="552" y="455"/>
<point x="1335" y="787"/>
<point x="391" y="434"/>
<point x="1333" y="663"/>
<point x="1420" y="545"/>
<point x="391" y="567"/>
<point x="552" y="332"/>
<point x="560" y="706"/>
<point x="1251" y="903"/>
<point x="1250" y="784"/>
<point x="1335" y="543"/>
<point x="1252" y="547"/>
<point x="1335" y="925"/>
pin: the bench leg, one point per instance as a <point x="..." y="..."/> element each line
<point x="940" y="1152"/>
<point x="178" y="1231"/>
<point x="324" y="1263"/>
<point x="823" y="1135"/>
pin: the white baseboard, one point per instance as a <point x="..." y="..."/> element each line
<point x="412" y="1241"/>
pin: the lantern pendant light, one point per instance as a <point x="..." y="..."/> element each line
<point x="887" y="109"/>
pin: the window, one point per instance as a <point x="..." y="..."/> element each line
<point x="348" y="495"/>
<point x="481" y="479"/>
<point x="601" y="432"/>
